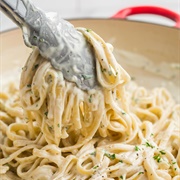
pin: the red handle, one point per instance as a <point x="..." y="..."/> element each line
<point x="122" y="14"/>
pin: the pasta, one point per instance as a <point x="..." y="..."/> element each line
<point x="52" y="130"/>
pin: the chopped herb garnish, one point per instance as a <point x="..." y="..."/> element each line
<point x="175" y="169"/>
<point x="140" y="173"/>
<point x="110" y="156"/>
<point x="137" y="148"/>
<point x="147" y="144"/>
<point x="34" y="37"/>
<point x="29" y="85"/>
<point x="121" y="177"/>
<point x="157" y="158"/>
<point x="90" y="98"/>
<point x="88" y="30"/>
<point x="87" y="76"/>
<point x="103" y="70"/>
<point x="95" y="167"/>
<point x="123" y="113"/>
<point x="24" y="68"/>
<point x="93" y="153"/>
<point x="58" y="125"/>
<point x="41" y="40"/>
<point x="121" y="161"/>
<point x="46" y="113"/>
<point x="174" y="163"/>
<point x="152" y="134"/>
<point x="116" y="73"/>
<point x="162" y="152"/>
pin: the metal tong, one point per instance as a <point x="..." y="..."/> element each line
<point x="57" y="40"/>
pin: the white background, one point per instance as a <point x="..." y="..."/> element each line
<point x="98" y="8"/>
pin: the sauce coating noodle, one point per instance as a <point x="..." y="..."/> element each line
<point x="52" y="130"/>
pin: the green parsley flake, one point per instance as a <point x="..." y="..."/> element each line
<point x="121" y="177"/>
<point x="85" y="77"/>
<point x="137" y="148"/>
<point x="140" y="173"/>
<point x="121" y="161"/>
<point x="95" y="167"/>
<point x="93" y="153"/>
<point x="24" y="68"/>
<point x="157" y="158"/>
<point x="41" y="40"/>
<point x="88" y="30"/>
<point x="58" y="125"/>
<point x="29" y="85"/>
<point x="162" y="152"/>
<point x="147" y="144"/>
<point x="123" y="113"/>
<point x="103" y="70"/>
<point x="90" y="98"/>
<point x="110" y="156"/>
<point x="34" y="37"/>
<point x="46" y="113"/>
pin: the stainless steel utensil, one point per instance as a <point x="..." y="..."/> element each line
<point x="57" y="41"/>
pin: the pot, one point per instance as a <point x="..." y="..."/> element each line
<point x="150" y="53"/>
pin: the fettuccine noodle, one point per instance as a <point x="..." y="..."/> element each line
<point x="52" y="130"/>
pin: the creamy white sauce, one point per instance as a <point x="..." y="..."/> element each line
<point x="66" y="48"/>
<point x="150" y="73"/>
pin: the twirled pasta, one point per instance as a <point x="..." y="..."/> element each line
<point x="51" y="129"/>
